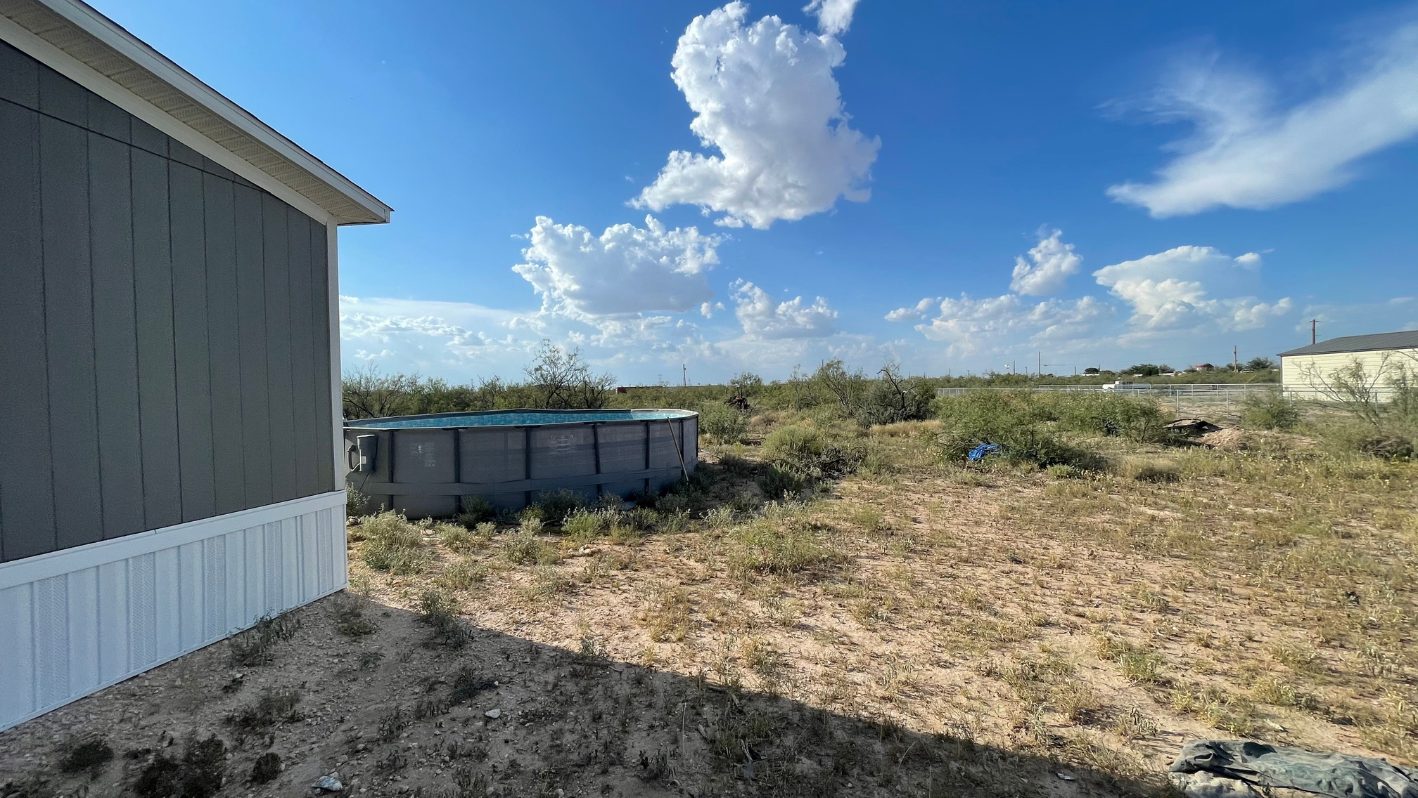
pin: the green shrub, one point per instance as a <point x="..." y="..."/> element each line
<point x="1137" y="418"/>
<point x="776" y="482"/>
<point x="584" y="525"/>
<point x="1016" y="422"/>
<point x="1269" y="410"/>
<point x="557" y="505"/>
<point x="476" y="510"/>
<point x="722" y="423"/>
<point x="392" y="544"/>
<point x="808" y="453"/>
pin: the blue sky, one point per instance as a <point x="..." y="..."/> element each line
<point x="957" y="185"/>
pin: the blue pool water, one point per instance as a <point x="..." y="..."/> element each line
<point x="516" y="418"/>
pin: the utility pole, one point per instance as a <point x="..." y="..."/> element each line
<point x="684" y="369"/>
<point x="1235" y="359"/>
<point x="1040" y="372"/>
<point x="1313" y="324"/>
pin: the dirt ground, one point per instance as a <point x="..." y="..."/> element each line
<point x="920" y="630"/>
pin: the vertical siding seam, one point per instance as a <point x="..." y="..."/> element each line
<point x="44" y="326"/>
<point x="172" y="293"/>
<point x="137" y="338"/>
<point x="207" y="322"/>
<point x="236" y="338"/>
<point x="93" y="326"/>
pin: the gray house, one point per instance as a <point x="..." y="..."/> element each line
<point x="169" y="350"/>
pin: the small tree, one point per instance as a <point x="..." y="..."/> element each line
<point x="1145" y="370"/>
<point x="1259" y="364"/>
<point x="369" y="394"/>
<point x="562" y="379"/>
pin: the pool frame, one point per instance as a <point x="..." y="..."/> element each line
<point x="668" y="452"/>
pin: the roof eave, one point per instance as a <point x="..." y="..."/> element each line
<point x="358" y="207"/>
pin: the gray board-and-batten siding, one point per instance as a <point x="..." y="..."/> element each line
<point x="164" y="327"/>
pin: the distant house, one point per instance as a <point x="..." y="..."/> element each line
<point x="1382" y="356"/>
<point x="1203" y="367"/>
<point x="169" y="350"/>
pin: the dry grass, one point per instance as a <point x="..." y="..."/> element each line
<point x="1180" y="593"/>
<point x="1093" y="618"/>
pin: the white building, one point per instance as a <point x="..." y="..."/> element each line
<point x="1309" y="371"/>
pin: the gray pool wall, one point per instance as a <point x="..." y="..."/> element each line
<point x="424" y="465"/>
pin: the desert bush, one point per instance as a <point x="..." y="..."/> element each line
<point x="781" y="542"/>
<point x="1016" y="422"/>
<point x="476" y="510"/>
<point x="722" y="423"/>
<point x="392" y="544"/>
<point x="198" y="773"/>
<point x="807" y="452"/>
<point x="557" y="505"/>
<point x="524" y="548"/>
<point x="1269" y="411"/>
<point x="439" y="611"/>
<point x="1136" y="418"/>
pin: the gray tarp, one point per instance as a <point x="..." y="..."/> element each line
<point x="1337" y="775"/>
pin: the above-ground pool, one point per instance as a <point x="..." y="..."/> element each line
<point x="424" y="466"/>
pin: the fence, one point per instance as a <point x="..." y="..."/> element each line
<point x="1180" y="396"/>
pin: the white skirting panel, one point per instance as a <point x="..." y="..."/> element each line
<point x="76" y="621"/>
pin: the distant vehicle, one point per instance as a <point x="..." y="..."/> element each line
<point x="1123" y="385"/>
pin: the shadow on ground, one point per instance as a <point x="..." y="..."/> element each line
<point x="407" y="709"/>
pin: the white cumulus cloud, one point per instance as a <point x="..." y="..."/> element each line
<point x="1247" y="151"/>
<point x="1167" y="292"/>
<point x="624" y="271"/>
<point x="921" y="310"/>
<point x="977" y="325"/>
<point x="1048" y="267"/>
<point x="763" y="317"/>
<point x="765" y="98"/>
<point x="834" y="17"/>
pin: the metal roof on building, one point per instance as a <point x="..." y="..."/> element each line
<point x="99" y="43"/>
<point x="1407" y="339"/>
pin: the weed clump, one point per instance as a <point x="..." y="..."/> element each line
<point x="266" y="768"/>
<point x="463" y="574"/>
<point x="272" y="707"/>
<point x="255" y="645"/>
<point x="350" y="619"/>
<point x="198" y="773"/>
<point x="1015" y="422"/>
<point x="86" y="754"/>
<point x="476" y="510"/>
<point x="392" y="544"/>
<point x="1269" y="410"/>
<point x="806" y="452"/>
<point x="438" y="610"/>
<point x="722" y="423"/>
<point x="557" y="505"/>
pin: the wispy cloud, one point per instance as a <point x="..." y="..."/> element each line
<point x="1248" y="151"/>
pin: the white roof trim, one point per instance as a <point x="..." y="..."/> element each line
<point x="225" y="122"/>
